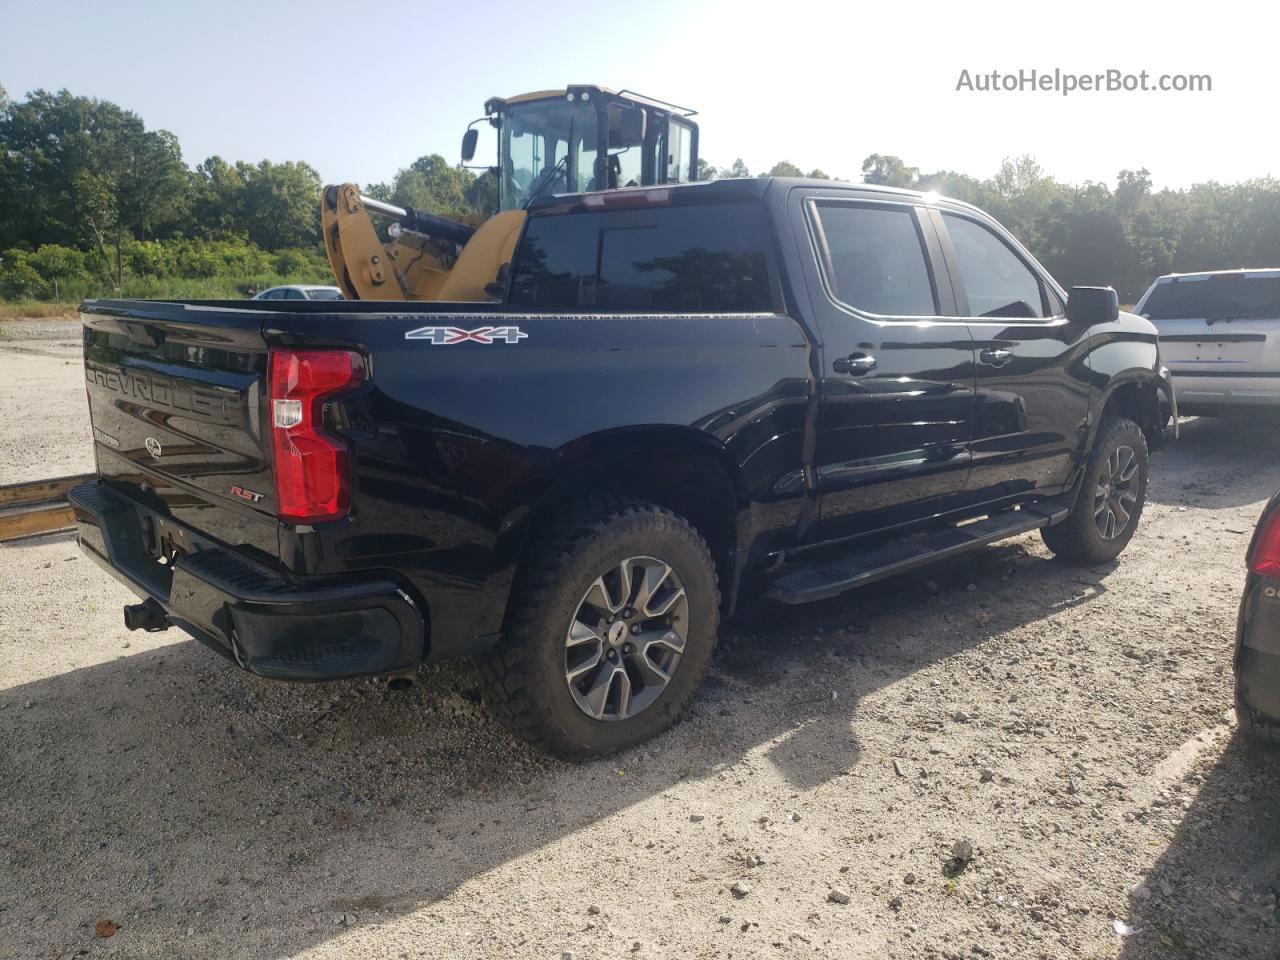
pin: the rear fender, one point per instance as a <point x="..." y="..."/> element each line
<point x="682" y="469"/>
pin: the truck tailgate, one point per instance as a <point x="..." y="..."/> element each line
<point x="177" y="407"/>
<point x="1241" y="346"/>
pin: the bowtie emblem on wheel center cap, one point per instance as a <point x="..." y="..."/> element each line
<point x="617" y="632"/>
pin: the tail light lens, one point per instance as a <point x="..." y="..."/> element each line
<point x="312" y="467"/>
<point x="1264" y="558"/>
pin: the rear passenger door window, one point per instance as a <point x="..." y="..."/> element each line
<point x="875" y="259"/>
<point x="695" y="259"/>
<point x="997" y="282"/>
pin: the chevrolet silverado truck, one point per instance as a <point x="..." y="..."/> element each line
<point x="677" y="396"/>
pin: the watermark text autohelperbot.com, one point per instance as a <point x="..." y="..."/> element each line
<point x="1064" y="82"/>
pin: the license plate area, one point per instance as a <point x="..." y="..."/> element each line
<point x="1225" y="351"/>
<point x="1215" y="346"/>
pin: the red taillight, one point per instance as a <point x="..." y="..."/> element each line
<point x="1264" y="558"/>
<point x="313" y="468"/>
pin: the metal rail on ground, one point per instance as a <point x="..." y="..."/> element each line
<point x="37" y="506"/>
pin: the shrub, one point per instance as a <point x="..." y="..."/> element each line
<point x="177" y="269"/>
<point x="18" y="279"/>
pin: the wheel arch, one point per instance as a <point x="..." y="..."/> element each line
<point x="1137" y="395"/>
<point x="681" y="469"/>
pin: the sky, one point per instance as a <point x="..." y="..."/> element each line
<point x="360" y="90"/>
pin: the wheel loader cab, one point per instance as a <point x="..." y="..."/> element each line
<point x="575" y="140"/>
<point x="588" y="138"/>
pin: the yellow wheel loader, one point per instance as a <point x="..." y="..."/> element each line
<point x="579" y="139"/>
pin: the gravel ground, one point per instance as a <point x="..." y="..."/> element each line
<point x="44" y="429"/>
<point x="1073" y="725"/>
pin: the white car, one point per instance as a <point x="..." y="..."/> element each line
<point x="1220" y="337"/>
<point x="299" y="292"/>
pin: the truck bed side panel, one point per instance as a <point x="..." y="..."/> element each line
<point x="460" y="438"/>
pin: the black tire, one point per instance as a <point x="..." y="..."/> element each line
<point x="525" y="682"/>
<point x="1078" y="539"/>
<point x="1257" y="729"/>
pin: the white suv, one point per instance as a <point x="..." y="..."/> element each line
<point x="1220" y="336"/>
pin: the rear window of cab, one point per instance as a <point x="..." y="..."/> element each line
<point x="709" y="258"/>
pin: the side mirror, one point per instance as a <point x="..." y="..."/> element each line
<point x="627" y="126"/>
<point x="469" y="144"/>
<point x="1089" y="305"/>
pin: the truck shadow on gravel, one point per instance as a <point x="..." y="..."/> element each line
<point x="1213" y="892"/>
<point x="1218" y="462"/>
<point x="199" y="806"/>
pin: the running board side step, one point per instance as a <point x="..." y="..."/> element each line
<point x="834" y="577"/>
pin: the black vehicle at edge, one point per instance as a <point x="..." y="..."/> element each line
<point x="1257" y="656"/>
<point x="690" y="391"/>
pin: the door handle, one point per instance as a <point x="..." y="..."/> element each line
<point x="995" y="357"/>
<point x="855" y="364"/>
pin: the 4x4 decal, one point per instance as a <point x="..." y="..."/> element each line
<point x="446" y="336"/>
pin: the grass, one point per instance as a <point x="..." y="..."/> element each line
<point x="36" y="308"/>
<point x="156" y="288"/>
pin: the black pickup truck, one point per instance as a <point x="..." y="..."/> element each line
<point x="780" y="386"/>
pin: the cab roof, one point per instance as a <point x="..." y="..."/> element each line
<point x="737" y="188"/>
<point x="493" y="104"/>
<point x="1266" y="272"/>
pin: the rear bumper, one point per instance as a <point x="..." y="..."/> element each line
<point x="1224" y="390"/>
<point x="272" y="625"/>
<point x="1258" y="649"/>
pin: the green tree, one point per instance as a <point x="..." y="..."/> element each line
<point x="738" y="170"/>
<point x="281" y="203"/>
<point x="888" y="170"/>
<point x="482" y="194"/>
<point x="57" y="265"/>
<point x="18" y="279"/>
<point x="784" y="168"/>
<point x="81" y="170"/>
<point x="706" y="171"/>
<point x="430" y="183"/>
<point x="217" y="198"/>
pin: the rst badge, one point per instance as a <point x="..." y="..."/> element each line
<point x="244" y="493"/>
<point x="446" y="336"/>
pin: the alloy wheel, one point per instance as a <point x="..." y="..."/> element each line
<point x="1116" y="495"/>
<point x="626" y="639"/>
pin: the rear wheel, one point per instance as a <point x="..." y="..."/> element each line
<point x="1255" y="729"/>
<point x="609" y="633"/>
<point x="1112" y="494"/>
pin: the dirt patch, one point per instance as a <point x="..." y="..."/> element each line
<point x="1070" y="724"/>
<point x="44" y="430"/>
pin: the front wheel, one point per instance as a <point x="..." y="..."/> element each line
<point x="609" y="633"/>
<point x="1112" y="494"/>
